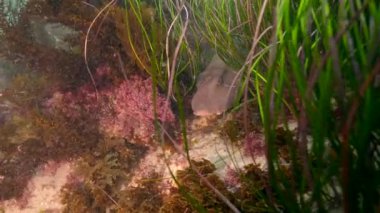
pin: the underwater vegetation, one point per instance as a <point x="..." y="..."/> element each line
<point x="98" y="181"/>
<point x="30" y="138"/>
<point x="54" y="114"/>
<point x="307" y="103"/>
<point x="123" y="111"/>
<point x="130" y="37"/>
<point x="193" y="195"/>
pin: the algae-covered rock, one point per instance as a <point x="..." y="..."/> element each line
<point x="55" y="35"/>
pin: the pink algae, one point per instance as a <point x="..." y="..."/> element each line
<point x="125" y="110"/>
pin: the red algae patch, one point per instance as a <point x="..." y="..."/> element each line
<point x="125" y="110"/>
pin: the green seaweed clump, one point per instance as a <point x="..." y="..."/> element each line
<point x="28" y="89"/>
<point x="251" y="195"/>
<point x="100" y="176"/>
<point x="194" y="195"/>
<point x="77" y="197"/>
<point x="146" y="197"/>
<point x="287" y="147"/>
<point x="233" y="129"/>
<point x="285" y="143"/>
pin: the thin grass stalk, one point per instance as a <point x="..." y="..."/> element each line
<point x="98" y="15"/>
<point x="172" y="67"/>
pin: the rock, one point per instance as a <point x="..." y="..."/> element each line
<point x="217" y="87"/>
<point x="55" y="35"/>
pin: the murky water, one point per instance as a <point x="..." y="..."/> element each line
<point x="79" y="135"/>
